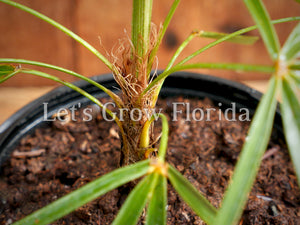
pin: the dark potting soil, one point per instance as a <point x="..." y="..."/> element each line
<point x="63" y="157"/>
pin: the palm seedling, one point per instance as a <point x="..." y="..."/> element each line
<point x="131" y="66"/>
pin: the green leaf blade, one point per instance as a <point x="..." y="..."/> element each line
<point x="224" y="66"/>
<point x="291" y="48"/>
<point x="70" y="72"/>
<point x="136" y="201"/>
<point x="230" y="36"/>
<point x="256" y="143"/>
<point x="162" y="33"/>
<point x="240" y="39"/>
<point x="85" y="194"/>
<point x="295" y="77"/>
<point x="5" y="78"/>
<point x="6" y="70"/>
<point x="291" y="121"/>
<point x="266" y="28"/>
<point x="295" y="66"/>
<point x="203" y="208"/>
<point x="157" y="209"/>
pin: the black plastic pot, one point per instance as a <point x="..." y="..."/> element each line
<point x="186" y="84"/>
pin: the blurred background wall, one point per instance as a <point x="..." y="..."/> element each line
<point x="103" y="22"/>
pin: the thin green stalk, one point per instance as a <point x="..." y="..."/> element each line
<point x="234" y="34"/>
<point x="236" y="39"/>
<point x="141" y="23"/>
<point x="222" y="39"/>
<point x="63" y="29"/>
<point x="180" y="49"/>
<point x="72" y="86"/>
<point x="241" y="39"/>
<point x="164" y="138"/>
<point x="162" y="33"/>
<point x="266" y="28"/>
<point x="79" y="90"/>
<point x="227" y="66"/>
<point x="6" y="77"/>
<point x="72" y="73"/>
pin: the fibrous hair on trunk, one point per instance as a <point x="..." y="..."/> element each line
<point x="133" y="77"/>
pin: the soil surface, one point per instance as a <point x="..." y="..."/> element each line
<point x="58" y="159"/>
